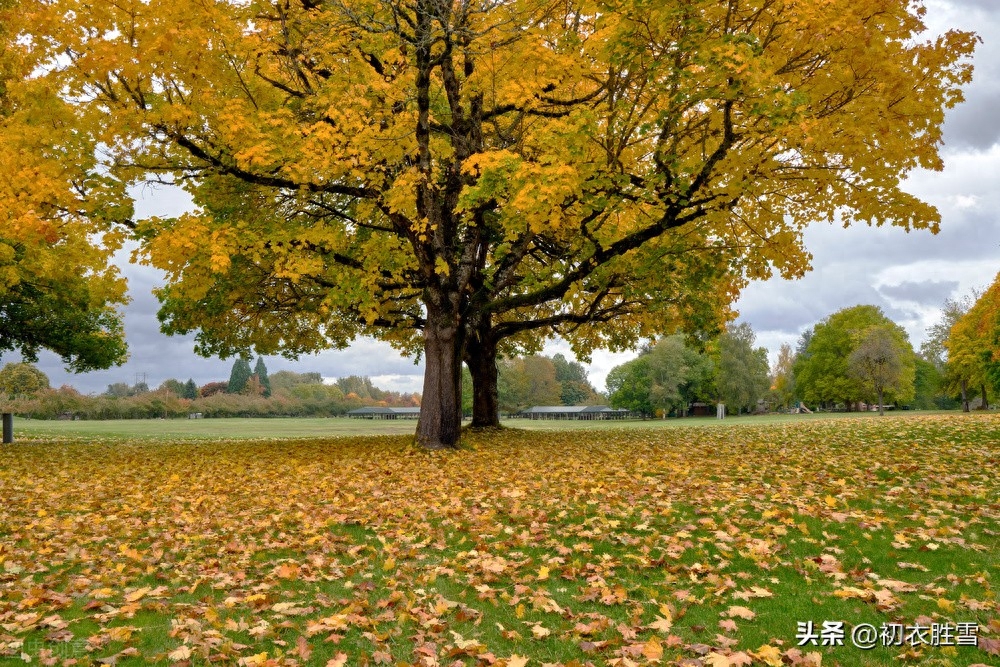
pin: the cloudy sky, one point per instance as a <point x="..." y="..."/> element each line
<point x="907" y="275"/>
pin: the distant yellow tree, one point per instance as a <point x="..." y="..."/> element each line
<point x="466" y="179"/>
<point x="783" y="377"/>
<point x="973" y="346"/>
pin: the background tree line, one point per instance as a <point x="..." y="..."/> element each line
<point x="670" y="375"/>
<point x="25" y="390"/>
<point x="856" y="357"/>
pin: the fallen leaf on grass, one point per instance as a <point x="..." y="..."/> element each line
<point x="769" y="655"/>
<point x="180" y="653"/>
<point x="653" y="650"/>
<point x="741" y="612"/>
<point x="661" y="624"/>
<point x="989" y="645"/>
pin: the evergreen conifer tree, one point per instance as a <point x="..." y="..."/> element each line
<point x="260" y="370"/>
<point x="239" y="376"/>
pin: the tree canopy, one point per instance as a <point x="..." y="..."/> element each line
<point x="823" y="371"/>
<point x="467" y="179"/>
<point x="260" y="372"/>
<point x="239" y="376"/>
<point x="783" y="377"/>
<point x="666" y="377"/>
<point x="973" y="344"/>
<point x="58" y="290"/>
<point x="742" y="373"/>
<point x="877" y="362"/>
<point x="21" y="379"/>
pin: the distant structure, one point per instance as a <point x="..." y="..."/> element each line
<point x="384" y="413"/>
<point x="583" y="412"/>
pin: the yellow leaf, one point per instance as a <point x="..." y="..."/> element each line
<point x="137" y="594"/>
<point x="517" y="661"/>
<point x="543" y="573"/>
<point x="714" y="659"/>
<point x="946" y="605"/>
<point x="653" y="650"/>
<point x="740" y="612"/>
<point x="256" y="660"/>
<point x="388" y="564"/>
<point x="661" y="624"/>
<point x="540" y="631"/>
<point x="769" y="655"/>
<point x="180" y="653"/>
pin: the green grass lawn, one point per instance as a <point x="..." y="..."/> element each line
<point x="688" y="542"/>
<point x="301" y="427"/>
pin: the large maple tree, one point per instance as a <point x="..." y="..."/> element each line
<point x="468" y="177"/>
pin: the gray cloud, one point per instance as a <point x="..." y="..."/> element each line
<point x="929" y="292"/>
<point x="972" y="124"/>
<point x="985" y="5"/>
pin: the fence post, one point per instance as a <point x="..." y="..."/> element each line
<point x="8" y="428"/>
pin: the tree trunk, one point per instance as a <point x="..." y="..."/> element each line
<point x="440" y="421"/>
<point x="881" y="411"/>
<point x="481" y="357"/>
<point x="986" y="403"/>
<point x="965" y="396"/>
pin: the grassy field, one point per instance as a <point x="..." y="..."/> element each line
<point x="297" y="428"/>
<point x="682" y="542"/>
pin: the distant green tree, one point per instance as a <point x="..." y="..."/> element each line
<point x="21" y="380"/>
<point x="877" y="363"/>
<point x="629" y="386"/>
<point x="822" y="372"/>
<point x="360" y="386"/>
<point x="118" y="390"/>
<point x="260" y="371"/>
<point x="929" y="387"/>
<point x="666" y="376"/>
<point x="283" y="380"/>
<point x="526" y="381"/>
<point x="467" y="395"/>
<point x="190" y="390"/>
<point x="175" y="387"/>
<point x="239" y="376"/>
<point x="574" y="387"/>
<point x="672" y="368"/>
<point x="742" y="375"/>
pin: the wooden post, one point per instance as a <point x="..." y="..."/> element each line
<point x="8" y="428"/>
